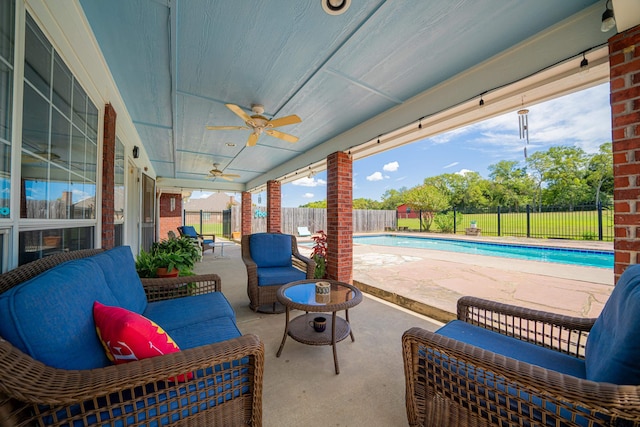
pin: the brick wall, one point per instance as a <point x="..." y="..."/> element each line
<point x="340" y="217"/>
<point x="246" y="213"/>
<point x="108" y="176"/>
<point x="624" y="63"/>
<point x="170" y="220"/>
<point x="274" y="204"/>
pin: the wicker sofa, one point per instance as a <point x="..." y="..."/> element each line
<point x="54" y="371"/>
<point x="502" y="365"/>
<point x="272" y="259"/>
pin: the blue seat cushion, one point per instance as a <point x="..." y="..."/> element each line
<point x="271" y="249"/>
<point x="50" y="317"/>
<point x="514" y="348"/>
<point x="613" y="347"/>
<point x="205" y="332"/>
<point x="189" y="231"/>
<point x="187" y="311"/>
<point x="279" y="275"/>
<point x="119" y="270"/>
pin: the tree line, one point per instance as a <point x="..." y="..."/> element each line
<point x="561" y="176"/>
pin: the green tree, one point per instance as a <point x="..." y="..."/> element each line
<point x="320" y="204"/>
<point x="511" y="186"/>
<point x="363" y="203"/>
<point x="462" y="190"/>
<point x="391" y="199"/>
<point x="600" y="173"/>
<point x="564" y="177"/>
<point x="427" y="199"/>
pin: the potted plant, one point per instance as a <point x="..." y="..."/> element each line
<point x="172" y="257"/>
<point x="319" y="254"/>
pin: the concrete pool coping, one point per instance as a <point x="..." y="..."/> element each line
<point x="430" y="282"/>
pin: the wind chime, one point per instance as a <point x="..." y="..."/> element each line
<point x="523" y="121"/>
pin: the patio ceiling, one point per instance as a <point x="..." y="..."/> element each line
<point x="374" y="70"/>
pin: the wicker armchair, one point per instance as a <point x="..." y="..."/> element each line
<point x="32" y="393"/>
<point x="450" y="382"/>
<point x="262" y="286"/>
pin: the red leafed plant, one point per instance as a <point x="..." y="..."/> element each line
<point x="319" y="254"/>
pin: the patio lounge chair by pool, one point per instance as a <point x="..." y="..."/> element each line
<point x="304" y="232"/>
<point x="500" y="364"/>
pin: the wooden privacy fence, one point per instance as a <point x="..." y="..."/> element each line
<point x="315" y="220"/>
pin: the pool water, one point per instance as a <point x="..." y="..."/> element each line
<point x="585" y="258"/>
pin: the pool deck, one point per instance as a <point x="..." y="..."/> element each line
<point x="430" y="281"/>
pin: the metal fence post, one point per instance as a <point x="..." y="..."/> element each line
<point x="499" y="230"/>
<point x="201" y="230"/>
<point x="528" y="221"/>
<point x="455" y="228"/>
<point x="600" y="221"/>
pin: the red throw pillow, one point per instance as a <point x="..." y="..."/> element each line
<point x="128" y="336"/>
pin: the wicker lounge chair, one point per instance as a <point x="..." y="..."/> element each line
<point x="32" y="393"/>
<point x="504" y="365"/>
<point x="204" y="242"/>
<point x="272" y="260"/>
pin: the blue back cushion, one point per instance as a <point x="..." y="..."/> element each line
<point x="50" y="317"/>
<point x="188" y="230"/>
<point x="271" y="249"/>
<point x="613" y="347"/>
<point x="120" y="273"/>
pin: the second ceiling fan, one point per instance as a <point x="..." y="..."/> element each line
<point x="259" y="124"/>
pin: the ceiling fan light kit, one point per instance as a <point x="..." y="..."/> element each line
<point x="258" y="124"/>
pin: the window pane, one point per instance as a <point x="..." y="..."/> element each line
<point x="5" y="179"/>
<point x="35" y="187"/>
<point x="60" y="197"/>
<point x="62" y="86"/>
<point x="92" y="120"/>
<point x="79" y="107"/>
<point x="6" y="90"/>
<point x="35" y="125"/>
<point x="90" y="161"/>
<point x="77" y="152"/>
<point x="7" y="15"/>
<point x="118" y="190"/>
<point x="60" y="139"/>
<point x="37" y="57"/>
<point x="38" y="244"/>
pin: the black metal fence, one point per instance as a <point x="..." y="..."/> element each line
<point x="209" y="222"/>
<point x="587" y="222"/>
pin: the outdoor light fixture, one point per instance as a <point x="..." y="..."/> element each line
<point x="608" y="20"/>
<point x="481" y="103"/>
<point x="136" y="151"/>
<point x="335" y="7"/>
<point x="585" y="62"/>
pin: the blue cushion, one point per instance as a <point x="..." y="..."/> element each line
<point x="279" y="275"/>
<point x="189" y="231"/>
<point x="119" y="270"/>
<point x="613" y="346"/>
<point x="205" y="332"/>
<point x="181" y="312"/>
<point x="271" y="249"/>
<point x="50" y="317"/>
<point x="513" y="348"/>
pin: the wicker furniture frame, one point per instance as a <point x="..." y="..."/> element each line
<point x="441" y="373"/>
<point x="337" y="328"/>
<point x="30" y="390"/>
<point x="260" y="296"/>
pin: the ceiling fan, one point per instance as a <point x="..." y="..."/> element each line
<point x="259" y="124"/>
<point x="217" y="173"/>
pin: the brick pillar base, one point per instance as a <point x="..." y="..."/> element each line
<point x="340" y="217"/>
<point x="274" y="207"/>
<point x="624" y="63"/>
<point x="245" y="219"/>
<point x="108" y="176"/>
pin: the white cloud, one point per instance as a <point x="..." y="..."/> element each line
<point x="391" y="167"/>
<point x="450" y="165"/>
<point x="376" y="176"/>
<point x="308" y="195"/>
<point x="309" y="182"/>
<point x="463" y="172"/>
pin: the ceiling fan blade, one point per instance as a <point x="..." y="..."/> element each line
<point x="281" y="135"/>
<point x="226" y="127"/>
<point x="253" y="139"/>
<point x="239" y="112"/>
<point x="231" y="175"/>
<point x="284" y="121"/>
<point x="226" y="177"/>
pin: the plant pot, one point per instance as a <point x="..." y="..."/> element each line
<point x="235" y="235"/>
<point x="162" y="272"/>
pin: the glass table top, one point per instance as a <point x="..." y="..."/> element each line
<point x="305" y="293"/>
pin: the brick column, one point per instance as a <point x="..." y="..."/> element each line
<point x="340" y="217"/>
<point x="274" y="207"/>
<point x="245" y="220"/>
<point x="108" y="176"/>
<point x="624" y="63"/>
<point x="170" y="220"/>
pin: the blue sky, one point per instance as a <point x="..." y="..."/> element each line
<point x="582" y="119"/>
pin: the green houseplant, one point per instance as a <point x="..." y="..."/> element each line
<point x="175" y="254"/>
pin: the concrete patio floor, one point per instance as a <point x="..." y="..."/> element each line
<point x="301" y="387"/>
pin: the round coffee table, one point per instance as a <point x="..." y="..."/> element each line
<point x="301" y="295"/>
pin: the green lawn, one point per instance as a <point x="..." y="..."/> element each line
<point x="563" y="225"/>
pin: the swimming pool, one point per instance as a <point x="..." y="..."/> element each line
<point x="585" y="258"/>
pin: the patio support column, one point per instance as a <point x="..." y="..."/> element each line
<point x="340" y="217"/>
<point x="624" y="63"/>
<point x="245" y="217"/>
<point x="108" y="176"/>
<point x="274" y="210"/>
